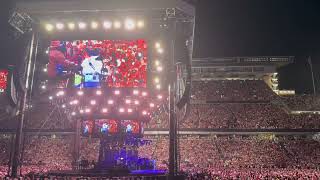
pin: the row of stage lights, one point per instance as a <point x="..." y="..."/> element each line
<point x="158" y="66"/>
<point x="128" y="24"/>
<point x="104" y="110"/>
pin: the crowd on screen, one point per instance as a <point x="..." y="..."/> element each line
<point x="224" y="156"/>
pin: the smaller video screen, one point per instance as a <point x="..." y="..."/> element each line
<point x="87" y="127"/>
<point x="131" y="126"/>
<point x="3" y="80"/>
<point x="106" y="127"/>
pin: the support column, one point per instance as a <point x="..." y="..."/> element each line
<point x="21" y="116"/>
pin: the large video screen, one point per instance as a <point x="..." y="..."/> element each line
<point x="87" y="127"/>
<point x="99" y="63"/>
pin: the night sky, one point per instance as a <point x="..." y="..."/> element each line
<point x="241" y="28"/>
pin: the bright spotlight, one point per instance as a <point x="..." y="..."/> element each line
<point x="71" y="26"/>
<point x="98" y="92"/>
<point x="160" y="50"/>
<point x="135" y="92"/>
<point x="121" y="110"/>
<point x="59" y="26"/>
<point x="104" y="110"/>
<point x="110" y="102"/>
<point x="107" y="24"/>
<point x="116" y="92"/>
<point x="82" y="25"/>
<point x="140" y="24"/>
<point x="71" y="102"/>
<point x="129" y="24"/>
<point x="156" y="80"/>
<point x="128" y="101"/>
<point x="93" y="102"/>
<point x="157" y="45"/>
<point x="136" y="102"/>
<point x="94" y="25"/>
<point x="63" y="106"/>
<point x="144" y="93"/>
<point x="81" y="111"/>
<point x="157" y="63"/>
<point x="158" y="86"/>
<point x="159" y="68"/>
<point x="159" y="96"/>
<point x="50" y="97"/>
<point x="49" y="27"/>
<point x="43" y="87"/>
<point x="60" y="93"/>
<point x="45" y="70"/>
<point x="151" y="105"/>
<point x="80" y="93"/>
<point x="75" y="102"/>
<point x="117" y="24"/>
<point x="73" y="113"/>
<point x="87" y="110"/>
<point x="130" y="110"/>
<point x="144" y="113"/>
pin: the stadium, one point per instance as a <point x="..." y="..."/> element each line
<point x="111" y="90"/>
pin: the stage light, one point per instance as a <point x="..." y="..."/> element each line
<point x="130" y="110"/>
<point x="128" y="101"/>
<point x="75" y="102"/>
<point x="144" y="93"/>
<point x="71" y="26"/>
<point x="59" y="26"/>
<point x="110" y="102"/>
<point x="159" y="96"/>
<point x="49" y="27"/>
<point x="160" y="50"/>
<point x="73" y="113"/>
<point x="47" y="51"/>
<point x="117" y="24"/>
<point x="50" y="97"/>
<point x="135" y="92"/>
<point x="136" y="102"/>
<point x="104" y="110"/>
<point x="43" y="87"/>
<point x="87" y="110"/>
<point x="159" y="68"/>
<point x="157" y="63"/>
<point x="116" y="92"/>
<point x="71" y="102"/>
<point x="80" y="93"/>
<point x="151" y="105"/>
<point x="82" y="25"/>
<point x="93" y="102"/>
<point x="140" y="24"/>
<point x="156" y="80"/>
<point x="144" y="113"/>
<point x="129" y="24"/>
<point x="60" y="93"/>
<point x="81" y="111"/>
<point x="94" y="25"/>
<point x="63" y="106"/>
<point x="158" y="86"/>
<point x="98" y="92"/>
<point x="157" y="45"/>
<point x="107" y="24"/>
<point x="121" y="110"/>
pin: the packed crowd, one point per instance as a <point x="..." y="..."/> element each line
<point x="224" y="156"/>
<point x="303" y="102"/>
<point x="231" y="90"/>
<point x="239" y="116"/>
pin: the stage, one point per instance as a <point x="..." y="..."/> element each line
<point x="107" y="173"/>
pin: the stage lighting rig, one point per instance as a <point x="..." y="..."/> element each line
<point x="21" y="22"/>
